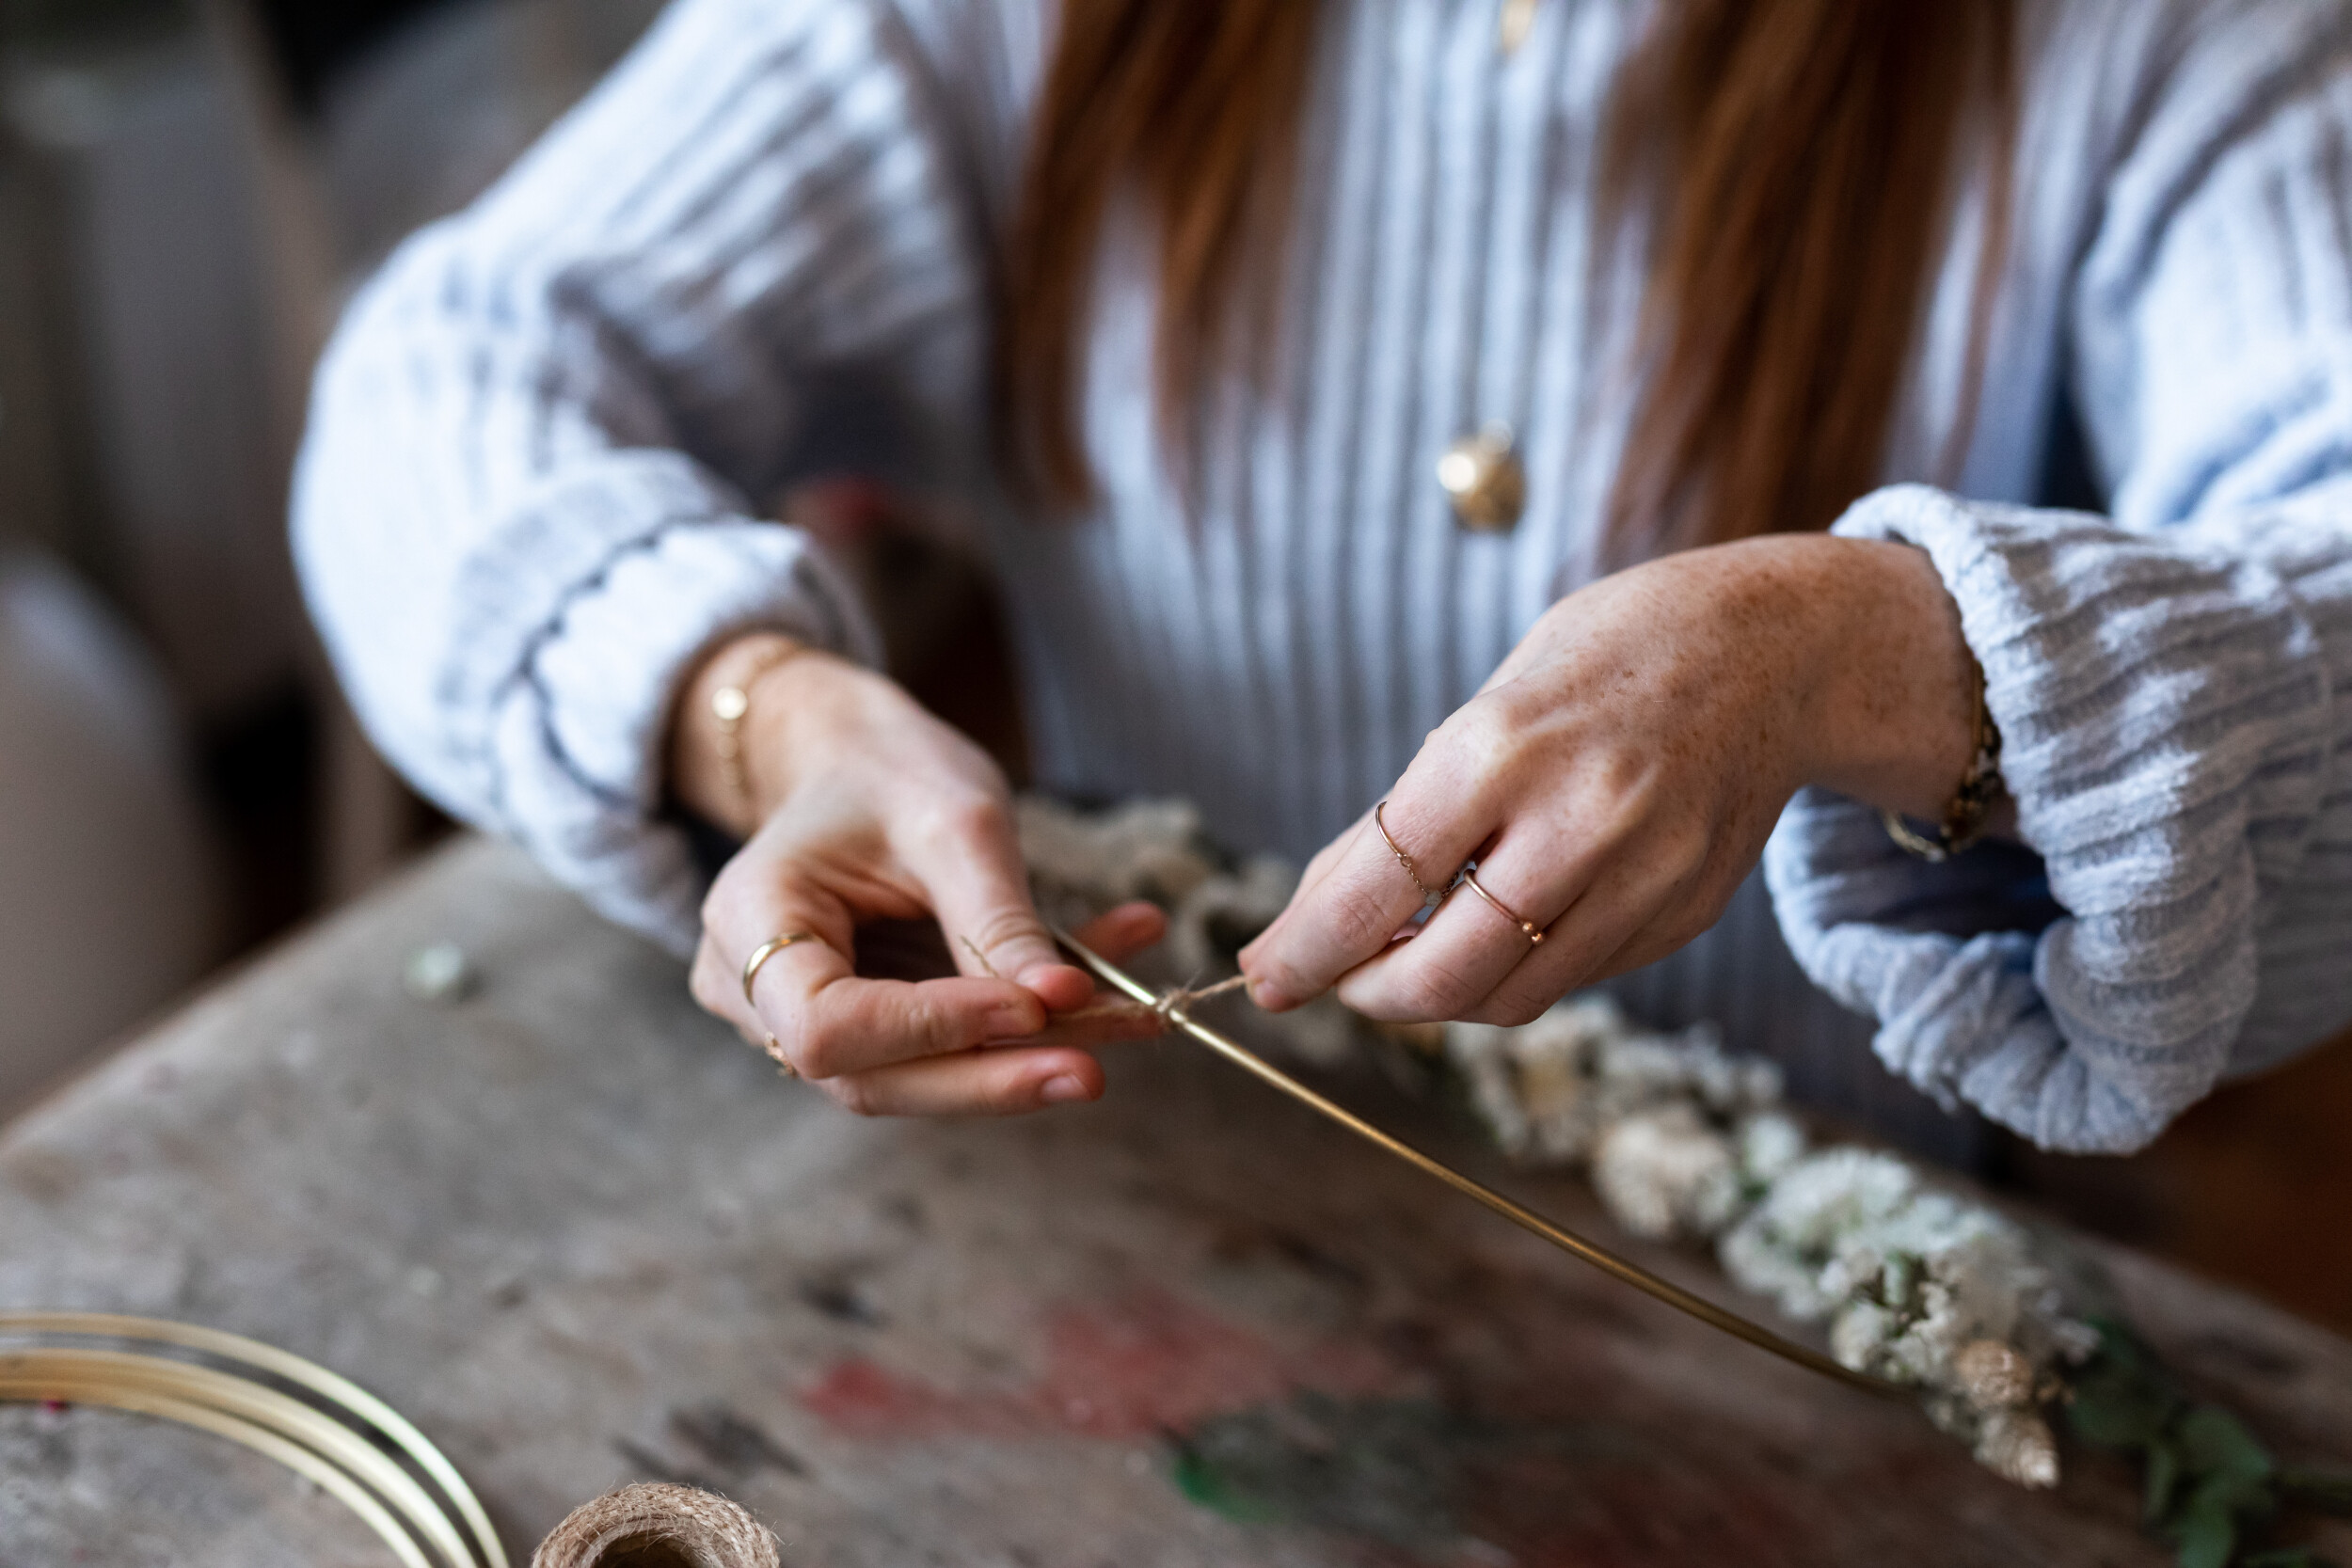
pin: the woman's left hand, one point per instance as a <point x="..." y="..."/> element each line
<point x="1616" y="778"/>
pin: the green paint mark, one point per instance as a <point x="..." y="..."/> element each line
<point x="1389" y="1469"/>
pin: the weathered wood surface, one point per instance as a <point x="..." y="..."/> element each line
<point x="580" y="1235"/>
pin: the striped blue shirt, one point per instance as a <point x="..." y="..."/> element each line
<point x="546" y="443"/>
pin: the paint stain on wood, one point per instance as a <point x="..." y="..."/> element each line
<point x="717" y="1448"/>
<point x="1346" y="1438"/>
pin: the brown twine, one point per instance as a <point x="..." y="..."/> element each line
<point x="657" y="1525"/>
<point x="1174" y="1003"/>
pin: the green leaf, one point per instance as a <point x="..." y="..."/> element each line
<point x="2119" y="1345"/>
<point x="2122" y="1398"/>
<point x="2205" y="1536"/>
<point x="2215" y="1443"/>
<point x="2235" y="1495"/>
<point x="2119" y="1411"/>
<point x="2164" y="1469"/>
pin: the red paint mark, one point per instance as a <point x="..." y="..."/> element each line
<point x="1140" y="1364"/>
<point x="861" y="1400"/>
<point x="55" y="1408"/>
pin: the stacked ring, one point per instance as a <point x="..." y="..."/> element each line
<point x="760" y="955"/>
<point x="1430" y="897"/>
<point x="1533" y="932"/>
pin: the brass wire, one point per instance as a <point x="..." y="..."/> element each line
<point x="1526" y="1219"/>
<point x="334" y="1450"/>
<point x="34" y="1375"/>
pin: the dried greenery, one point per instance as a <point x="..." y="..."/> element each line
<point x="2211" y="1486"/>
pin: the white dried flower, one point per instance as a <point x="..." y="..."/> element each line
<point x="1784" y="1244"/>
<point x="1770" y="1142"/>
<point x="1860" y="1332"/>
<point x="1550" y="1089"/>
<point x="2016" y="1444"/>
<point x="1991" y="1375"/>
<point x="1218" y="915"/>
<point x="1082" y="863"/>
<point x="1481" y="1053"/>
<point x="1535" y="1087"/>
<point x="1665" y="1173"/>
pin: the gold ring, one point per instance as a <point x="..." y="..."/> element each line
<point x="761" y="954"/>
<point x="1529" y="928"/>
<point x="1430" y="897"/>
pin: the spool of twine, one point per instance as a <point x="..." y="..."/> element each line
<point x="657" y="1525"/>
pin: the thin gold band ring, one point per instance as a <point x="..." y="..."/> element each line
<point x="1533" y="932"/>
<point x="765" y="951"/>
<point x="1431" y="897"/>
<point x="760" y="955"/>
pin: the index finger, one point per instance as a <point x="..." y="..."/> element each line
<point x="827" y="1020"/>
<point x="1359" y="904"/>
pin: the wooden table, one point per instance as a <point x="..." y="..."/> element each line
<point x="580" y="1235"/>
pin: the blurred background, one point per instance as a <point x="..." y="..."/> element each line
<point x="188" y="191"/>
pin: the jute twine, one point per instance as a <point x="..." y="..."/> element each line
<point x="656" y="1524"/>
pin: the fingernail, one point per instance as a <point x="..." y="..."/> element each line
<point x="1061" y="1091"/>
<point x="1265" y="996"/>
<point x="1008" y="1021"/>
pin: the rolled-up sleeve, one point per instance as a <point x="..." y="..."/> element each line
<point x="2173" y="681"/>
<point x="530" y="493"/>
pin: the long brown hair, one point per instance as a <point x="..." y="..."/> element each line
<point x="1795" y="161"/>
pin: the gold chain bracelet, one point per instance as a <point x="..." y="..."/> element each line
<point x="1980" y="787"/>
<point x="730" y="705"/>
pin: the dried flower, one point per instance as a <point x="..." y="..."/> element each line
<point x="1991" y="1375"/>
<point x="2016" y="1444"/>
<point x="1667" y="1174"/>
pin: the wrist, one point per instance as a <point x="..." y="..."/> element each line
<point x="722" y="753"/>
<point x="1896" y="712"/>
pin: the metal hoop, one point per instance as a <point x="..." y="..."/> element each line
<point x="1528" y="928"/>
<point x="765" y="951"/>
<point x="1430" y="897"/>
<point x="775" y="1055"/>
<point x="760" y="955"/>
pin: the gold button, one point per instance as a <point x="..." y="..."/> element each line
<point x="1513" y="24"/>
<point x="1483" y="477"/>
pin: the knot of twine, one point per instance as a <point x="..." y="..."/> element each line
<point x="1177" y="1001"/>
<point x="657" y="1525"/>
<point x="1173" y="1006"/>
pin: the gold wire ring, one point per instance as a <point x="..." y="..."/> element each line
<point x="1533" y="932"/>
<point x="761" y="954"/>
<point x="1430" y="897"/>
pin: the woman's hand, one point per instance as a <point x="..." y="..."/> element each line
<point x="857" y="805"/>
<point x="1616" y="778"/>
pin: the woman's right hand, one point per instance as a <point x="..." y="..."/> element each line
<point x="862" y="806"/>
